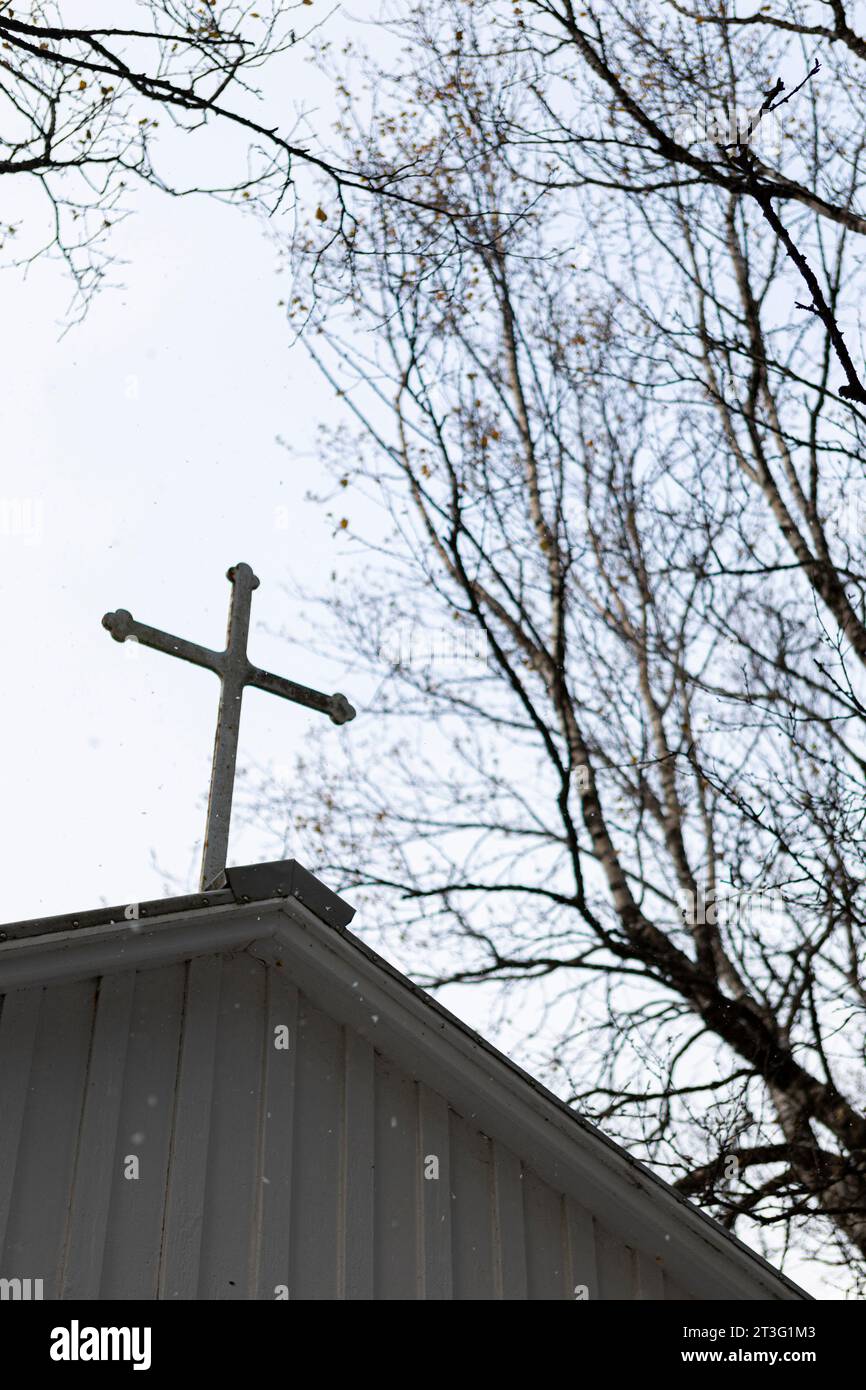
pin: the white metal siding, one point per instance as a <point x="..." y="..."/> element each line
<point x="258" y="1167"/>
<point x="261" y="1167"/>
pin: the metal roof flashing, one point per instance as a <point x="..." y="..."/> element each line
<point x="289" y="879"/>
<point x="284" y="878"/>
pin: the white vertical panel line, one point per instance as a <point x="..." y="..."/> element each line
<point x="180" y="1255"/>
<point x="509" y="1227"/>
<point x="19" y="1021"/>
<point x="582" y="1259"/>
<point x="357" y="1196"/>
<point x="649" y="1280"/>
<point x="435" y="1204"/>
<point x="96" y="1150"/>
<point x="276" y="1140"/>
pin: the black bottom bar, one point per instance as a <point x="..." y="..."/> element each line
<point x="63" y="1339"/>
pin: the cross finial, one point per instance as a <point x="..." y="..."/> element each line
<point x="235" y="672"/>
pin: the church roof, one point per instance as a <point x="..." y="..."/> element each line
<point x="570" y="1207"/>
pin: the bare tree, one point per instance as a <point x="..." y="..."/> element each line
<point x="85" y="110"/>
<point x="612" y="443"/>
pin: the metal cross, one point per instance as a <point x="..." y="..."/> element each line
<point x="235" y="672"/>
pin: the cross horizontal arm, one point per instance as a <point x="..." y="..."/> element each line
<point x="336" y="706"/>
<point x="122" y="625"/>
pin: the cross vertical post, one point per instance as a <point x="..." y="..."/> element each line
<point x="235" y="671"/>
<point x="225" y="747"/>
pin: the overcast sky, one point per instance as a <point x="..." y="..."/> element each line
<point x="140" y="459"/>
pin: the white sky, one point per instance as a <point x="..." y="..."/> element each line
<point x="145" y="443"/>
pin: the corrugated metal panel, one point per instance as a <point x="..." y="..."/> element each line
<point x="257" y="1167"/>
<point x="260" y="1168"/>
